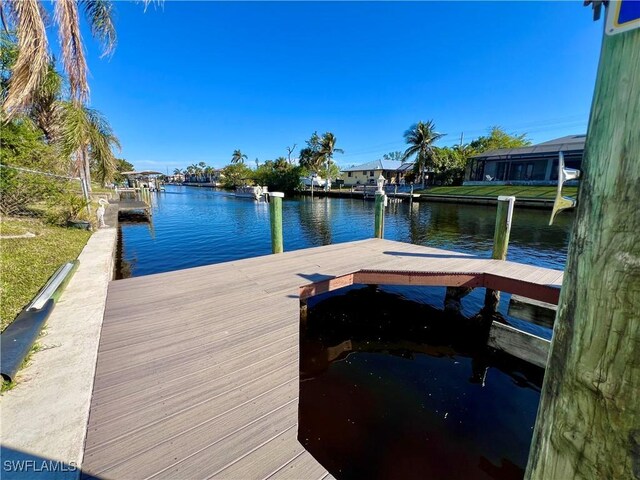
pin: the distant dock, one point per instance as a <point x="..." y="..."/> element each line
<point x="197" y="369"/>
<point x="135" y="203"/>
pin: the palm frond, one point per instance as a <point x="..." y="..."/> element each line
<point x="74" y="129"/>
<point x="86" y="133"/>
<point x="73" y="57"/>
<point x="99" y="13"/>
<point x="45" y="108"/>
<point x="33" y="57"/>
<point x="101" y="155"/>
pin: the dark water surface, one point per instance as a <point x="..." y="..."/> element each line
<point x="390" y="388"/>
<point x="199" y="226"/>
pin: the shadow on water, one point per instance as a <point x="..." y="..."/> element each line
<point x="391" y="388"/>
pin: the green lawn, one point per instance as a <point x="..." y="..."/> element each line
<point x="27" y="263"/>
<point x="494" y="191"/>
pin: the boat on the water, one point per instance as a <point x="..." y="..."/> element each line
<point x="314" y="180"/>
<point x="255" y="192"/>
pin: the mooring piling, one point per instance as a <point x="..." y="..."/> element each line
<point x="590" y="391"/>
<point x="275" y="213"/>
<point x="381" y="200"/>
<point x="504" y="214"/>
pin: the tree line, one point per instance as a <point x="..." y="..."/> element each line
<point x="282" y="173"/>
<point x="446" y="165"/>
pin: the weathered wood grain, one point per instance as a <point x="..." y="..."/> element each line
<point x="588" y="425"/>
<point x="523" y="345"/>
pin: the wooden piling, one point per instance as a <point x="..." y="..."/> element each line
<point x="453" y="299"/>
<point x="275" y="211"/>
<point x="379" y="215"/>
<point x="588" y="419"/>
<point x="504" y="214"/>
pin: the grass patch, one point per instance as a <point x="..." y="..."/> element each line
<point x="27" y="263"/>
<point x="7" y="385"/>
<point x="36" y="347"/>
<point x="541" y="192"/>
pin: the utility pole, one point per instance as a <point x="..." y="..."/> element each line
<point x="461" y="138"/>
<point x="588" y="424"/>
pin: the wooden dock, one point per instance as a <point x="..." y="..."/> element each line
<point x="197" y="371"/>
<point x="135" y="207"/>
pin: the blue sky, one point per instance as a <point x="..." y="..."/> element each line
<point x="192" y="81"/>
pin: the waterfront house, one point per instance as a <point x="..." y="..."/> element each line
<point x="393" y="171"/>
<point x="532" y="165"/>
<point x="177" y="178"/>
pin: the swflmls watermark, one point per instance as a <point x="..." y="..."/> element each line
<point x="38" y="466"/>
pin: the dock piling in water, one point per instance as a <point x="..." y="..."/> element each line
<point x="504" y="214"/>
<point x="379" y="214"/>
<point x="275" y="213"/>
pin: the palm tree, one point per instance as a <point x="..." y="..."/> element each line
<point x="420" y="137"/>
<point x="326" y="152"/>
<point x="87" y="136"/>
<point x="27" y="19"/>
<point x="238" y="157"/>
<point x="202" y="167"/>
<point x="281" y="163"/>
<point x="208" y="173"/>
<point x="193" y="170"/>
<point x="308" y="157"/>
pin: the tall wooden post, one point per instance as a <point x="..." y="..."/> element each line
<point x="379" y="215"/>
<point x="504" y="214"/>
<point x="588" y="423"/>
<point x="275" y="212"/>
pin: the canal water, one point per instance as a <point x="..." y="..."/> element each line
<point x="391" y="388"/>
<point x="195" y="226"/>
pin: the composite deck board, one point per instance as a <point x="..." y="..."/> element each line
<point x="197" y="372"/>
<point x="171" y="396"/>
<point x="176" y="348"/>
<point x="153" y="448"/>
<point x="211" y="363"/>
<point x="268" y="457"/>
<point x="197" y="324"/>
<point x="302" y="463"/>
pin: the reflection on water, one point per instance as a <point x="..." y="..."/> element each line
<point x="395" y="389"/>
<point x="200" y="226"/>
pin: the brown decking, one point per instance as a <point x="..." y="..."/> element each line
<point x="197" y="372"/>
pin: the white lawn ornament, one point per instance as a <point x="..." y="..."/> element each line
<point x="100" y="213"/>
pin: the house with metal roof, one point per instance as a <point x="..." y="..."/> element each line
<point x="532" y="165"/>
<point x="367" y="173"/>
